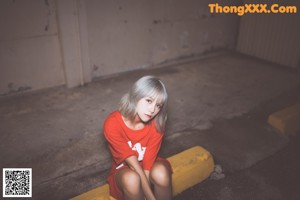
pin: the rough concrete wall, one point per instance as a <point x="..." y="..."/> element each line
<point x="105" y="36"/>
<point x="128" y="35"/>
<point x="119" y="35"/>
<point x="30" y="57"/>
<point x="272" y="37"/>
<point x="187" y="28"/>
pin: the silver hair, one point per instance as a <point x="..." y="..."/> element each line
<point x="147" y="86"/>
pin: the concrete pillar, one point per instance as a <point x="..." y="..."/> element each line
<point x="71" y="38"/>
<point x="83" y="32"/>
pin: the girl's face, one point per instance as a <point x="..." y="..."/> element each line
<point x="147" y="108"/>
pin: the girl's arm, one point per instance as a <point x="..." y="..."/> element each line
<point x="133" y="163"/>
<point x="147" y="173"/>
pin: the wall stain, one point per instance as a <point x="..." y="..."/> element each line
<point x="12" y="88"/>
<point x="47" y="26"/>
<point x="46" y="2"/>
<point x="157" y="21"/>
<point x="95" y="68"/>
<point x="51" y="11"/>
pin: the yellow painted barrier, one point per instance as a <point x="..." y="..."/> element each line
<point x="99" y="193"/>
<point x="190" y="167"/>
<point x="286" y="121"/>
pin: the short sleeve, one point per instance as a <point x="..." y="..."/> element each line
<point x="118" y="143"/>
<point x="152" y="149"/>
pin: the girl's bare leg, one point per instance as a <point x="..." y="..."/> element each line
<point x="161" y="179"/>
<point x="129" y="182"/>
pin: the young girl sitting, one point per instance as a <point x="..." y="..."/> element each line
<point x="134" y="133"/>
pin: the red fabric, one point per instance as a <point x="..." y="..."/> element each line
<point x="125" y="142"/>
<point x="119" y="136"/>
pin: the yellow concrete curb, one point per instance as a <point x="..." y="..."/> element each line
<point x="190" y="167"/>
<point x="286" y="121"/>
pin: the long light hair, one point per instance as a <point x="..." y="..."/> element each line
<point x="147" y="86"/>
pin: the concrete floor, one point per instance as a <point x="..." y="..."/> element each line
<point x="274" y="178"/>
<point x="220" y="102"/>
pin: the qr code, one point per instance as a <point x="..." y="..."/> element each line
<point x="17" y="182"/>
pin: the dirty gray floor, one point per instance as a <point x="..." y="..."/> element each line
<point x="274" y="178"/>
<point x="220" y="102"/>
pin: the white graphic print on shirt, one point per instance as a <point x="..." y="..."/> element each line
<point x="138" y="147"/>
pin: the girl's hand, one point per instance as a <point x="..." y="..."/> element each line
<point x="134" y="164"/>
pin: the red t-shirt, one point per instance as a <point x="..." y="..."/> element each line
<point x="124" y="142"/>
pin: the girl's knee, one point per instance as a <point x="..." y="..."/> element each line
<point x="130" y="182"/>
<point x="160" y="175"/>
